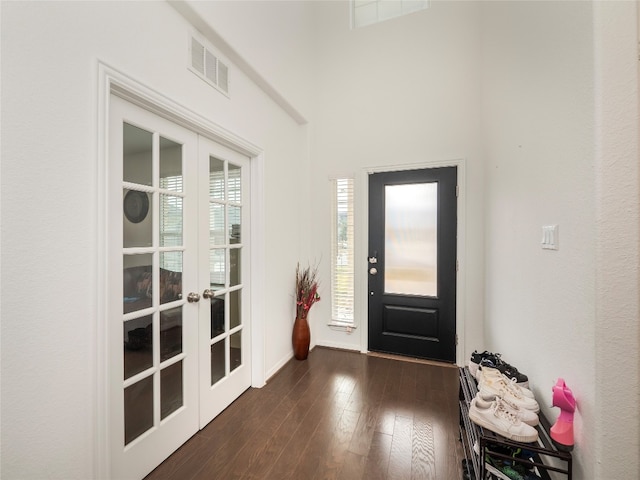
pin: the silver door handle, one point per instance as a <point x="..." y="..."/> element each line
<point x="208" y="293"/>
<point x="193" y="297"/>
<point x="373" y="270"/>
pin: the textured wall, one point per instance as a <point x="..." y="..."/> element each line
<point x="617" y="417"/>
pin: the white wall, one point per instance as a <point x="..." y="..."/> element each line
<point x="540" y="112"/>
<point x="273" y="37"/>
<point x="50" y="52"/>
<point x="617" y="189"/>
<point x="400" y="92"/>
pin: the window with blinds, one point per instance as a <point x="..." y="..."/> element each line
<point x="342" y="252"/>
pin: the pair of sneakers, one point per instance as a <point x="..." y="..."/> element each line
<point x="494" y="360"/>
<point x="500" y="417"/>
<point x="492" y="383"/>
<point x="504" y="408"/>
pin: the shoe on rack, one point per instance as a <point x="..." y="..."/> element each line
<point x="494" y="360"/>
<point x="511" y="372"/>
<point x="516" y="453"/>
<point x="496" y="373"/>
<point x="562" y="431"/>
<point x="526" y="416"/>
<point x="506" y="470"/>
<point x="495" y="416"/>
<point x="497" y="386"/>
<point x="475" y="360"/>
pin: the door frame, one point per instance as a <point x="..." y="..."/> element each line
<point x="112" y="81"/>
<point x="362" y="245"/>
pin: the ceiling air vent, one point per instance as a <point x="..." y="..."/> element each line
<point x="209" y="67"/>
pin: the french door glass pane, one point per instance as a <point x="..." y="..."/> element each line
<point x="235" y="351"/>
<point x="217" y="316"/>
<point x="170" y="389"/>
<point x="235" y="216"/>
<point x="234" y="309"/>
<point x="170" y="276"/>
<point x="216" y="224"/>
<point x="411" y="239"/>
<point x="234" y="267"/>
<point x="170" y="165"/>
<point x="218" y="361"/>
<point x="235" y="185"/>
<point x="170" y="333"/>
<point x="217" y="268"/>
<point x="137" y="155"/>
<point x="137" y="282"/>
<point x="216" y="179"/>
<point x="170" y="221"/>
<point x="138" y="409"/>
<point x="137" y="221"/>
<point x="138" y="345"/>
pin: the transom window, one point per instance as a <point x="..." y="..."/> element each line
<point x="367" y="12"/>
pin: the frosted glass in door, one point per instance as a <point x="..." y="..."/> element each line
<point x="411" y="247"/>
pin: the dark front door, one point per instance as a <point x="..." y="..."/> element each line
<point x="412" y="263"/>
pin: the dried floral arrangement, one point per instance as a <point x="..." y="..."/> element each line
<point x="306" y="290"/>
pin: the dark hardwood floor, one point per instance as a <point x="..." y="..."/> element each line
<point x="336" y="415"/>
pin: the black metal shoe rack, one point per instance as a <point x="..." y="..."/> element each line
<point x="547" y="458"/>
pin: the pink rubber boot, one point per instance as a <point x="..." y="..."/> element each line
<point x="562" y="430"/>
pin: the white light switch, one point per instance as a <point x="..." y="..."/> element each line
<point x="550" y="237"/>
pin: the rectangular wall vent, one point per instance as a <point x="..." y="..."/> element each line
<point x="209" y="67"/>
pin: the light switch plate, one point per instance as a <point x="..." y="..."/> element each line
<point x="550" y="237"/>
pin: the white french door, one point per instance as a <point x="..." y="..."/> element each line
<point x="178" y="310"/>
<point x="225" y="354"/>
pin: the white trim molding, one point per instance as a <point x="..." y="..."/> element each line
<point x="362" y="239"/>
<point x="112" y="81"/>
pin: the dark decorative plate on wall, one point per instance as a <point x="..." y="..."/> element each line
<point x="136" y="206"/>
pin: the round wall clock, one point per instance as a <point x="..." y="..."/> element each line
<point x="136" y="206"/>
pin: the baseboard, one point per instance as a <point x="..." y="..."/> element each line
<point x="283" y="361"/>
<point x="340" y="346"/>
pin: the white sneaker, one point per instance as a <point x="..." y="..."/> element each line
<point x="493" y="386"/>
<point x="496" y="417"/>
<point x="494" y="372"/>
<point x="525" y="416"/>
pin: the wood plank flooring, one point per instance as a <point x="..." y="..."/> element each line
<point x="336" y="415"/>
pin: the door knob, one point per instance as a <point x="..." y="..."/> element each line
<point x="193" y="297"/>
<point x="208" y="293"/>
<point x="373" y="270"/>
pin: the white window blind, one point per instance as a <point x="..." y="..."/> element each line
<point x="342" y="252"/>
